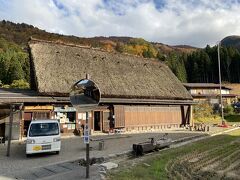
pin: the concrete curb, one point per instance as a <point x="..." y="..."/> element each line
<point x="181" y="140"/>
<point x="228" y="130"/>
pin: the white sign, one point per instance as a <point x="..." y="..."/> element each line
<point x="80" y="115"/>
<point x="84" y="116"/>
<point x="86" y="134"/>
<point x="86" y="139"/>
<point x="89" y="114"/>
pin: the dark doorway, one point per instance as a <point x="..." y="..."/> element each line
<point x="2" y="132"/>
<point x="26" y="126"/>
<point x="97" y="121"/>
<point x="71" y="116"/>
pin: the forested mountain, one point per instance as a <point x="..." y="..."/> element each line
<point x="231" y="41"/>
<point x="190" y="64"/>
<point x="21" y="33"/>
<point x="202" y="65"/>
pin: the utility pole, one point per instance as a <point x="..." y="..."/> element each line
<point x="87" y="146"/>
<point x="10" y="129"/>
<point x="87" y="142"/>
<point x="220" y="82"/>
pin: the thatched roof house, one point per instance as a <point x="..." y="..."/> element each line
<point x="135" y="92"/>
<point x="58" y="66"/>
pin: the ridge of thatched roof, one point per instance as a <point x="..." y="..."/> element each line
<point x="204" y="85"/>
<point x="35" y="40"/>
<point x="57" y="66"/>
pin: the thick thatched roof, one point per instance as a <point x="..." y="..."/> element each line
<point x="58" y="66"/>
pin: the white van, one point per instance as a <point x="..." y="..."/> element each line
<point x="43" y="136"/>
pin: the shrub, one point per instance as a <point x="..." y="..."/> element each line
<point x="228" y="110"/>
<point x="202" y="110"/>
<point x="21" y="84"/>
<point x="5" y="86"/>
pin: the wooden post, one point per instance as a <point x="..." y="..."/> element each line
<point x="191" y="123"/>
<point x="21" y="124"/>
<point x="183" y="116"/>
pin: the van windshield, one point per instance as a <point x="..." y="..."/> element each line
<point x="43" y="129"/>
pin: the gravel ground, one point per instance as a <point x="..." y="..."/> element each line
<point x="72" y="149"/>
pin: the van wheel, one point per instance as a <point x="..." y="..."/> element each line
<point x="57" y="152"/>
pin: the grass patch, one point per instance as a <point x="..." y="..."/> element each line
<point x="167" y="164"/>
<point x="232" y="118"/>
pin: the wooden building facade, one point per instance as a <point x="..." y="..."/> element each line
<point x="136" y="93"/>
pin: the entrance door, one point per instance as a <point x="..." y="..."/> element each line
<point x="97" y="121"/>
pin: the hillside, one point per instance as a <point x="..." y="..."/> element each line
<point x="20" y="34"/>
<point x="233" y="41"/>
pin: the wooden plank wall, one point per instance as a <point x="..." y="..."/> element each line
<point x="146" y="116"/>
<point x="119" y="114"/>
<point x="105" y="121"/>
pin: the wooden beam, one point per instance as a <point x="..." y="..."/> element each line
<point x="191" y="122"/>
<point x="187" y="115"/>
<point x="183" y="115"/>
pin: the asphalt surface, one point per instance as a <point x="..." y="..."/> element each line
<point x="49" y="166"/>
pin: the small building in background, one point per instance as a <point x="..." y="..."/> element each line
<point x="210" y="93"/>
<point x="234" y="88"/>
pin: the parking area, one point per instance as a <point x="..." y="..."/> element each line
<point x="72" y="149"/>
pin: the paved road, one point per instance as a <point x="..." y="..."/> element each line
<point x="17" y="165"/>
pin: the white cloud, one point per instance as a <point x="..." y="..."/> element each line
<point x="190" y="22"/>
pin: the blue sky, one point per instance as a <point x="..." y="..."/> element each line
<point x="191" y="22"/>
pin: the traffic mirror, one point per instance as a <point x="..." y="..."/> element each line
<point x="85" y="95"/>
